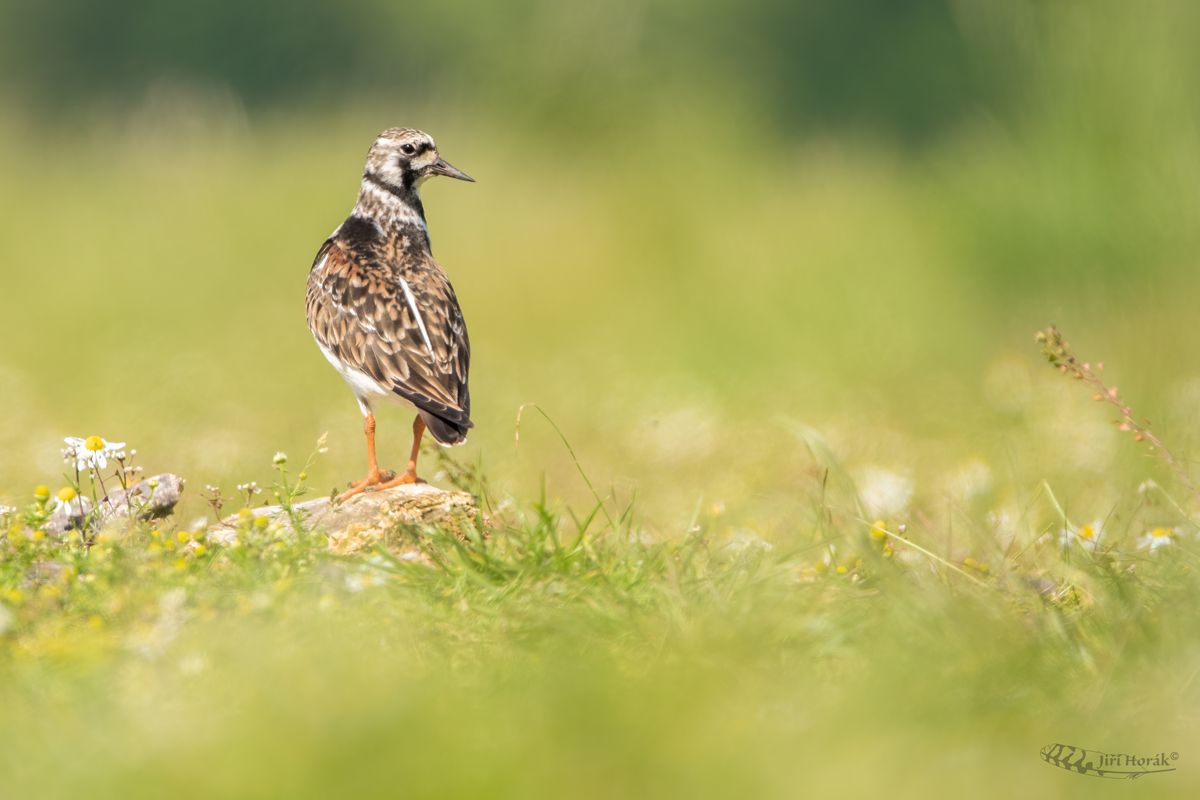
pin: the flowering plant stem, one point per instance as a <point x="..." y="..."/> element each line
<point x="1059" y="353"/>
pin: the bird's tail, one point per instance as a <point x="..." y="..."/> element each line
<point x="446" y="431"/>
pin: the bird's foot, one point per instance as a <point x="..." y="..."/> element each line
<point x="399" y="480"/>
<point x="378" y="478"/>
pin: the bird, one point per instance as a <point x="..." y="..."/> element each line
<point x="382" y="310"/>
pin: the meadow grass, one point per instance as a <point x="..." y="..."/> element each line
<point x="544" y="652"/>
<point x="848" y="513"/>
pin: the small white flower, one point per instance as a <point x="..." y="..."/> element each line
<point x="71" y="508"/>
<point x="1154" y="539"/>
<point x="72" y="454"/>
<point x="1086" y="536"/>
<point x="279" y="459"/>
<point x="91" y="453"/>
<point x="886" y="494"/>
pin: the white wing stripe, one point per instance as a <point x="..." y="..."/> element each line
<point x="412" y="303"/>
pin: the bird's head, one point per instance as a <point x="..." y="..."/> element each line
<point x="404" y="158"/>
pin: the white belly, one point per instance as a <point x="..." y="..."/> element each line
<point x="365" y="388"/>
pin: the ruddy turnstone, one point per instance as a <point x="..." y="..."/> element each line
<point x="382" y="309"/>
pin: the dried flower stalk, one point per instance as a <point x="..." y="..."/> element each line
<point x="1059" y="353"/>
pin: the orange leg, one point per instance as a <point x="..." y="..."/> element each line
<point x="410" y="474"/>
<point x="374" y="475"/>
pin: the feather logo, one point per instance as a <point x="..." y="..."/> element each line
<point x="1107" y="765"/>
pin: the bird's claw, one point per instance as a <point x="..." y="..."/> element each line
<point x="400" y="480"/>
<point x="375" y="481"/>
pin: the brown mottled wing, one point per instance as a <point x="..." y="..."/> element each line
<point x="362" y="314"/>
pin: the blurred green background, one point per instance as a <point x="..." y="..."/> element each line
<point x="693" y="222"/>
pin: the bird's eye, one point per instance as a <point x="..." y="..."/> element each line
<point x="407" y="149"/>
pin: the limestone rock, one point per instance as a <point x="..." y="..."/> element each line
<point x="149" y="502"/>
<point x="366" y="518"/>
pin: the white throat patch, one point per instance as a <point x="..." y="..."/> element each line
<point x="387" y="208"/>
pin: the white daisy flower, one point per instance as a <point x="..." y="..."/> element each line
<point x="68" y="503"/>
<point x="92" y="452"/>
<point x="1159" y="537"/>
<point x="1086" y="536"/>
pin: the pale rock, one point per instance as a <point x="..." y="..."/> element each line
<point x="364" y="519"/>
